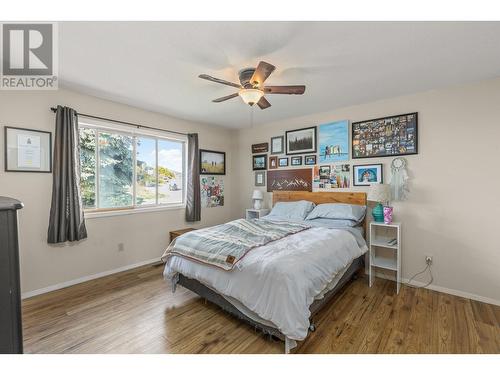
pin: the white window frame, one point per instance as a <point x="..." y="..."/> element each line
<point x="108" y="126"/>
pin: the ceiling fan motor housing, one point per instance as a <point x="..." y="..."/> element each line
<point x="245" y="75"/>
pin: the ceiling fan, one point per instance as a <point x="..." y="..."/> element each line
<point x="252" y="89"/>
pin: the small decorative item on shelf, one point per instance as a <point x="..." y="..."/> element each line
<point x="388" y="214"/>
<point x="381" y="194"/>
<point x="257" y="197"/>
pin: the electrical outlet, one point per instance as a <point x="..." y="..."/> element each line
<point x="428" y="259"/>
<point x="121" y="246"/>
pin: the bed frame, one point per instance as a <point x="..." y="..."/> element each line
<point x="351" y="273"/>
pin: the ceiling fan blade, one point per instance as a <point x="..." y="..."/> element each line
<point x="263" y="71"/>
<point x="290" y="90"/>
<point x="224" y="98"/>
<point x="263" y="103"/>
<point x="218" y="80"/>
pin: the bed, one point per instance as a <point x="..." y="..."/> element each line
<point x="280" y="286"/>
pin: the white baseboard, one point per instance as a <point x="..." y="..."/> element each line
<point x="80" y="280"/>
<point x="441" y="289"/>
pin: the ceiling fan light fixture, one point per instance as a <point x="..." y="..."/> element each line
<point x="251" y="96"/>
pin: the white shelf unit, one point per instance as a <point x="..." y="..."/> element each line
<point x="382" y="254"/>
<point x="252" y="213"/>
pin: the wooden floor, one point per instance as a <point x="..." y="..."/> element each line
<point x="135" y="312"/>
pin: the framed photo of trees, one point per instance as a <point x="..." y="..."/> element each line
<point x="301" y="141"/>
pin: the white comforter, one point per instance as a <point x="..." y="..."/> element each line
<point x="280" y="280"/>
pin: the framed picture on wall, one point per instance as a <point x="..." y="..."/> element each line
<point x="260" y="178"/>
<point x="386" y="136"/>
<point x="259" y="162"/>
<point x="273" y="162"/>
<point x="310" y="159"/>
<point x="334" y="142"/>
<point x="295" y="160"/>
<point x="365" y="175"/>
<point x="212" y="162"/>
<point x="27" y="150"/>
<point x="277" y="145"/>
<point x="260" y="147"/>
<point x="301" y="141"/>
<point x="283" y="162"/>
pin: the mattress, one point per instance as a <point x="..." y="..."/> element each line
<point x="276" y="283"/>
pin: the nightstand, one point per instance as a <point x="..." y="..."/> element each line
<point x="252" y="213"/>
<point x="178" y="232"/>
<point x="383" y="254"/>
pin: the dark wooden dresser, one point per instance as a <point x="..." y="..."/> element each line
<point x="11" y="330"/>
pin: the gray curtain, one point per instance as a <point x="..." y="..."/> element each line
<point x="193" y="199"/>
<point x="66" y="221"/>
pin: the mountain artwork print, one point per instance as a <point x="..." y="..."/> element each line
<point x="289" y="179"/>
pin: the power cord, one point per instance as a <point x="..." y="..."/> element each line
<point x="427" y="267"/>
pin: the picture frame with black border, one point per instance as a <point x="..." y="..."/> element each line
<point x="310" y="160"/>
<point x="306" y="145"/>
<point x="11" y="151"/>
<point x="275" y="149"/>
<point x="368" y="170"/>
<point x="260" y="178"/>
<point x="259" y="162"/>
<point x="212" y="169"/>
<point x="295" y="161"/>
<point x="283" y="162"/>
<point x="355" y="128"/>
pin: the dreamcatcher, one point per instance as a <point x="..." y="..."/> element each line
<point x="399" y="180"/>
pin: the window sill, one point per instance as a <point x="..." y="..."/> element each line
<point x="131" y="211"/>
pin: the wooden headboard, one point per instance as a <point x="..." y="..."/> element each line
<point x="320" y="197"/>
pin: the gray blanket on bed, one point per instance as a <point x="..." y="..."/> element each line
<point x="225" y="245"/>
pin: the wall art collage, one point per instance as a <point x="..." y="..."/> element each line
<point x="331" y="176"/>
<point x="327" y="149"/>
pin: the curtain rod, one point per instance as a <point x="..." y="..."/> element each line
<point x="53" y="109"/>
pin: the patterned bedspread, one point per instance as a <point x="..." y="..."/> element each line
<point x="226" y="244"/>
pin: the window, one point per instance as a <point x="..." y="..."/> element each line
<point x="125" y="169"/>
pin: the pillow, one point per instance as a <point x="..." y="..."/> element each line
<point x="332" y="223"/>
<point x="291" y="210"/>
<point x="339" y="211"/>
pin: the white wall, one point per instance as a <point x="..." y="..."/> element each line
<point x="453" y="208"/>
<point x="144" y="235"/>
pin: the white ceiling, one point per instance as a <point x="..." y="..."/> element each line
<point x="155" y="65"/>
